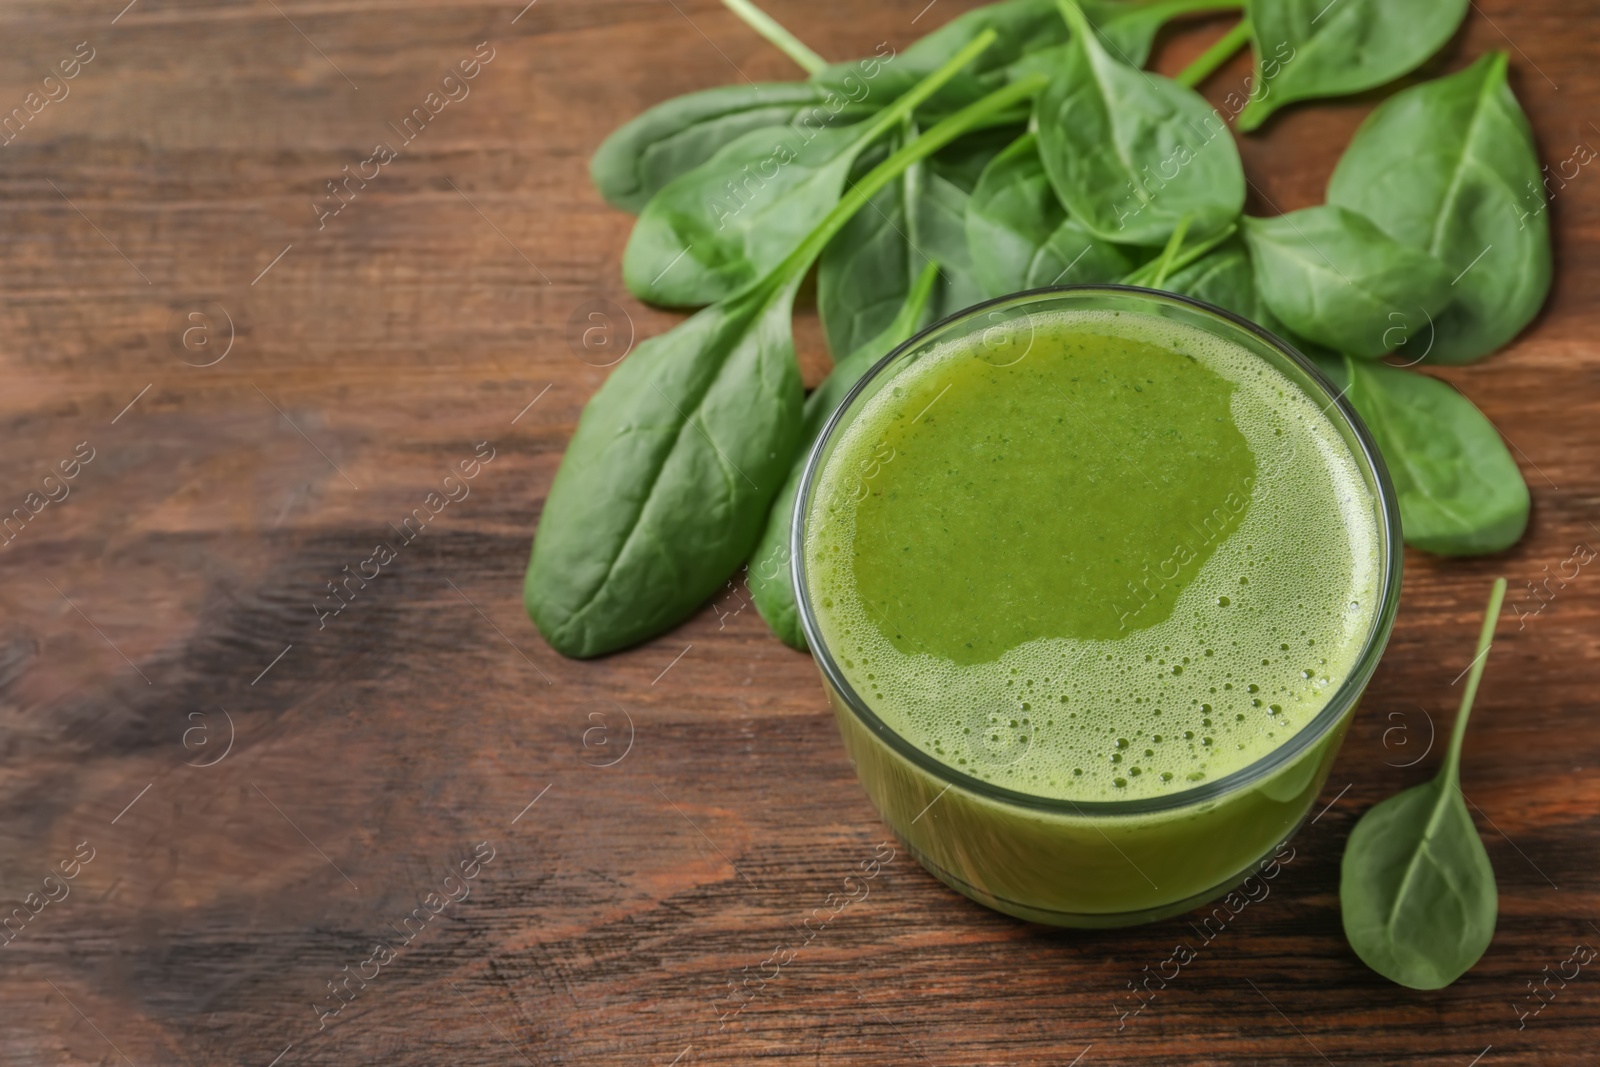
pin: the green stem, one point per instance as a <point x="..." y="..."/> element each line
<point x="1207" y="62"/>
<point x="855" y="198"/>
<point x="902" y="108"/>
<point x="1166" y="10"/>
<point x="773" y="31"/>
<point x="1451" y="772"/>
<point x="1183" y="259"/>
<point x="1076" y="20"/>
<point x="1175" y="242"/>
<point x="905" y="323"/>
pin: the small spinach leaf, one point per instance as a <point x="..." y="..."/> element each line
<point x="1313" y="48"/>
<point x="867" y="271"/>
<point x="1334" y="277"/>
<point x="1225" y="277"/>
<point x="1020" y="236"/>
<point x="1020" y="27"/>
<point x="664" y="485"/>
<point x="1449" y="166"/>
<point x="940" y="224"/>
<point x="672" y="138"/>
<point x="1416" y="889"/>
<point x="718" y="228"/>
<point x="1130" y="153"/>
<point x="770" y="582"/>
<point x="1460" y="491"/>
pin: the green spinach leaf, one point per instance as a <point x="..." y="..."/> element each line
<point x="728" y="222"/>
<point x="1449" y="167"/>
<point x="1460" y="491"/>
<point x="867" y="271"/>
<point x="1313" y="48"/>
<point x="770" y="582"/>
<point x="663" y="485"/>
<point x="644" y="155"/>
<point x="1416" y="889"/>
<point x="1334" y="277"/>
<point x="1131" y="154"/>
<point x="1225" y="277"/>
<point x="1020" y="236"/>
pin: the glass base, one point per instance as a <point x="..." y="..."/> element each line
<point x="1094" y="920"/>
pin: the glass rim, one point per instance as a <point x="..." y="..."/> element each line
<point x="1344" y="697"/>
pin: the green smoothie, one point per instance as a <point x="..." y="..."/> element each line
<point x="1104" y="558"/>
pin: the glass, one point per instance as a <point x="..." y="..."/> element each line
<point x="1099" y="863"/>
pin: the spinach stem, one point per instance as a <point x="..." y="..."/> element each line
<point x="1207" y="62"/>
<point x="1167" y="10"/>
<point x="777" y="35"/>
<point x="905" y="323"/>
<point x="901" y="110"/>
<point x="967" y="119"/>
<point x="1450" y="775"/>
<point x="1140" y="275"/>
<point x="1174" y="243"/>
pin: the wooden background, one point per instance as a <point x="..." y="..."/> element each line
<point x="172" y="594"/>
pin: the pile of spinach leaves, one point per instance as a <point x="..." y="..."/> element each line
<point x="1023" y="145"/>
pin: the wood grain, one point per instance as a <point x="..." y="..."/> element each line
<point x="173" y="591"/>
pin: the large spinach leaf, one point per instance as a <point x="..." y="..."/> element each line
<point x="1416" y="889"/>
<point x="1334" y="277"/>
<point x="770" y="583"/>
<point x="718" y="228"/>
<point x="1449" y="166"/>
<point x="1132" y="154"/>
<point x="1460" y="491"/>
<point x="675" y="137"/>
<point x="1314" y="48"/>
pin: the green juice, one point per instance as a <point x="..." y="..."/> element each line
<point x="1086" y="573"/>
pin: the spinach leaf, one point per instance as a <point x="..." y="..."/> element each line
<point x="867" y="271"/>
<point x="1449" y="166"/>
<point x="1131" y="153"/>
<point x="663" y="485"/>
<point x="1333" y="276"/>
<point x="770" y="582"/>
<point x="1460" y="491"/>
<point x="675" y="137"/>
<point x="1019" y="234"/>
<point x="1020" y="27"/>
<point x="940" y="223"/>
<point x="1225" y="277"/>
<point x="728" y="222"/>
<point x="1029" y="34"/>
<point x="1313" y="48"/>
<point x="1416" y="889"/>
<point x="667" y="481"/>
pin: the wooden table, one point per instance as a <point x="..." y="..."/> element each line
<point x="267" y="789"/>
